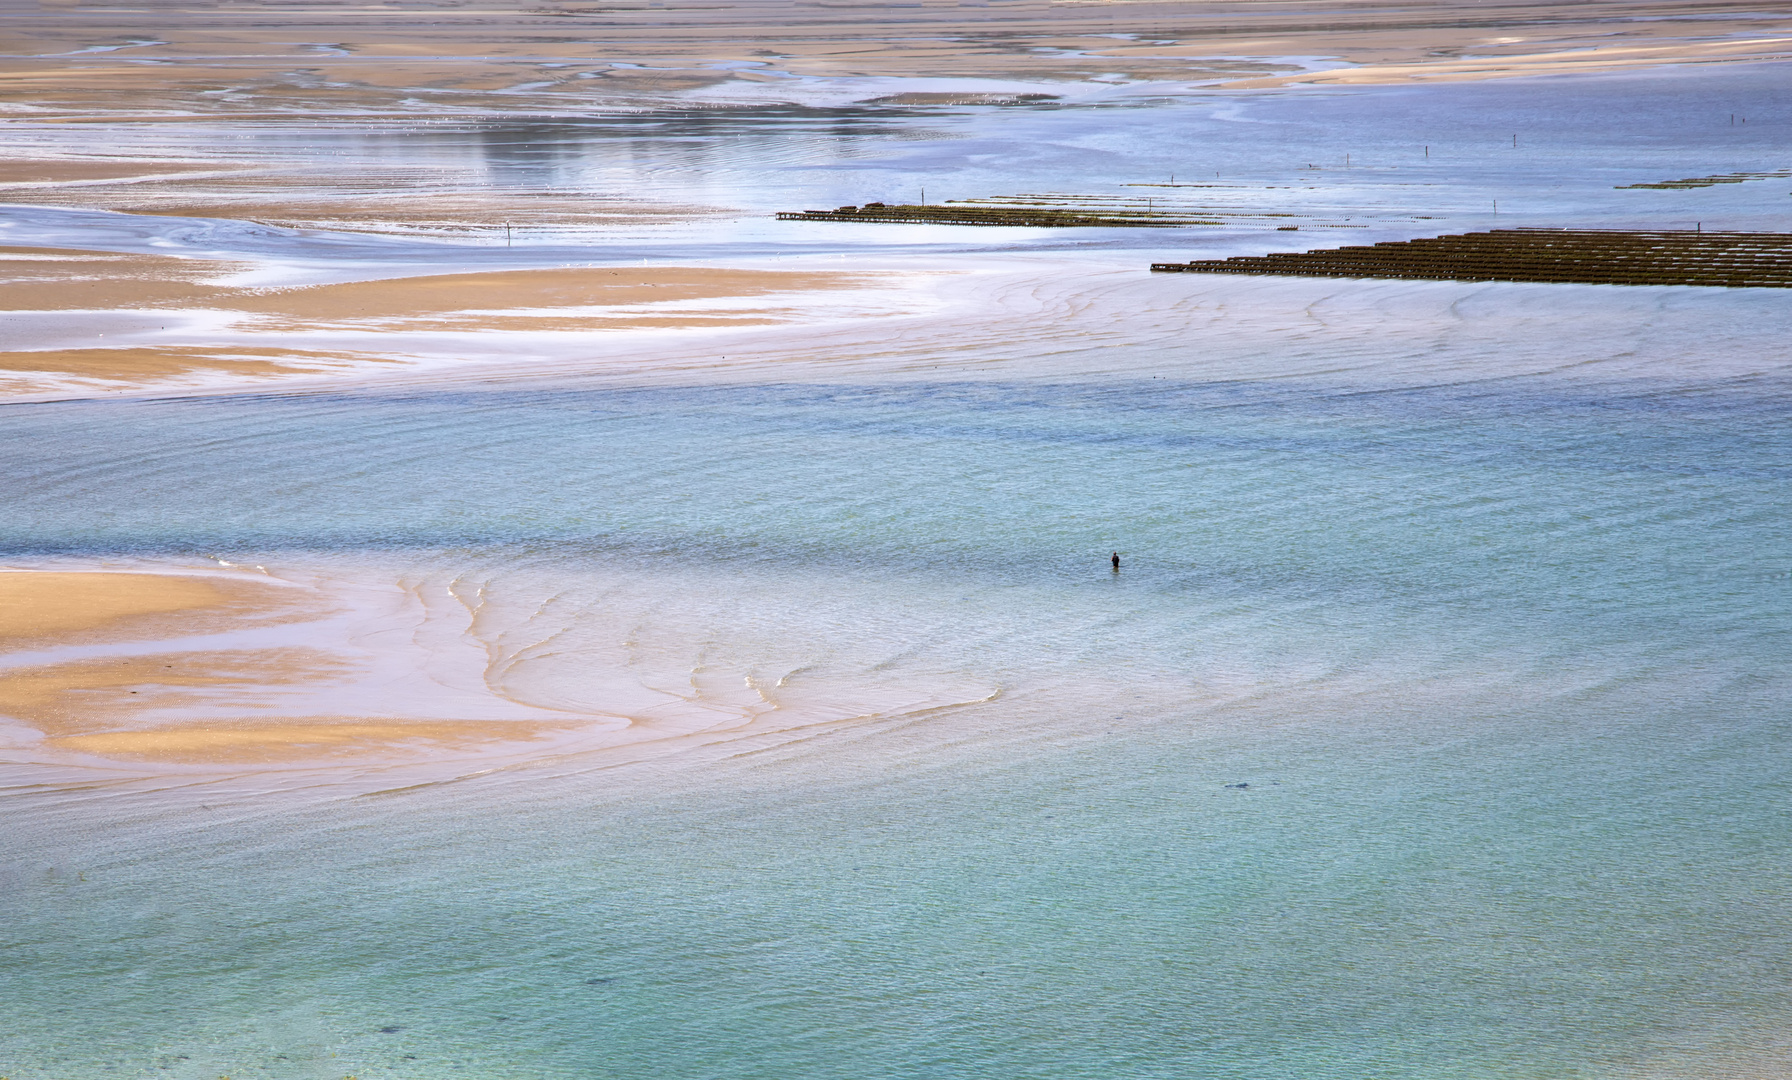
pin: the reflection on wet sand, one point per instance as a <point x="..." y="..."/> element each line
<point x="370" y="197"/>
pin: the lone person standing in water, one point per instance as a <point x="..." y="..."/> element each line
<point x="1116" y="561"/>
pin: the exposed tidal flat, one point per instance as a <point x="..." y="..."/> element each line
<point x="483" y="599"/>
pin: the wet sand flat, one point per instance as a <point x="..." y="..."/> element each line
<point x="100" y="708"/>
<point x="60" y="280"/>
<point x="333" y="672"/>
<point x="40" y="279"/>
<point x="289" y="67"/>
<point x="495" y="58"/>
<point x="327" y="195"/>
<point x="307" y="741"/>
<point x="1504" y="62"/>
<point x="499" y="291"/>
<point x="190" y="702"/>
<point x="61" y="172"/>
<point x="131" y="708"/>
<point x="254" y="342"/>
<point x="137" y="364"/>
<point x="52" y="279"/>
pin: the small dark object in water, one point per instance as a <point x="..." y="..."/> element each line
<point x="600" y="982"/>
<point x="392" y="1030"/>
<point x="1116" y="560"/>
<point x="1238" y="785"/>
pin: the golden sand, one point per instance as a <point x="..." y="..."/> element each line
<point x="307" y="739"/>
<point x="152" y="363"/>
<point x="37" y="279"/>
<point x="387" y="197"/>
<point x="75" y="697"/>
<point x="504" y="291"/>
<point x="98" y="707"/>
<point x="52" y="607"/>
<point x="143" y="707"/>
<point x="555" y="299"/>
<point x="49" y="279"/>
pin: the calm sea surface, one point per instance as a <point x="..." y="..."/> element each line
<point x="1428" y="731"/>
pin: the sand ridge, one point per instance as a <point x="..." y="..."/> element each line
<point x="39" y="608"/>
<point x="296" y="741"/>
<point x="507" y="290"/>
<point x="59" y="279"/>
<point x="179" y="699"/>
<point x="138" y="363"/>
<point x="390" y="673"/>
<point x="132" y="708"/>
<point x="40" y="279"/>
<point x="257" y="339"/>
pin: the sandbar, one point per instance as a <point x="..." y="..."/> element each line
<point x="131" y="708"/>
<point x="182" y="703"/>
<point x="256" y="340"/>
<point x="143" y="363"/>
<point x="70" y="279"/>
<point x="311" y="739"/>
<point x="506" y="290"/>
<point x="37" y="279"/>
<point x="46" y="607"/>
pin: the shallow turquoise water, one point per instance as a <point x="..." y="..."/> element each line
<point x="1490" y="615"/>
<point x="1503" y="668"/>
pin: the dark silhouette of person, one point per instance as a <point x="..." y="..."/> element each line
<point x="1116" y="560"/>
